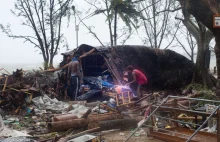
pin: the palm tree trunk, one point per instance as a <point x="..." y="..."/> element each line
<point x="115" y="27"/>
<point x="109" y="23"/>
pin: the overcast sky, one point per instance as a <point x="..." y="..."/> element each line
<point x="15" y="51"/>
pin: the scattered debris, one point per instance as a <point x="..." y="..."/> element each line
<point x="35" y="106"/>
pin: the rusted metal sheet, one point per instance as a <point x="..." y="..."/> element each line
<point x="67" y="124"/>
<point x="122" y="124"/>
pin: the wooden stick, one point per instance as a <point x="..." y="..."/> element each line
<point x="82" y="133"/>
<point x="17" y="110"/>
<point x="108" y="107"/>
<point x="143" y="98"/>
<point x="123" y="99"/>
<point x="116" y="97"/>
<point x="31" y="95"/>
<point x="140" y="108"/>
<point x="5" y="84"/>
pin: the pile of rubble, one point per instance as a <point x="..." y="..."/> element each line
<point x="33" y="108"/>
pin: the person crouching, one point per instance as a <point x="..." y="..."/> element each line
<point x="138" y="77"/>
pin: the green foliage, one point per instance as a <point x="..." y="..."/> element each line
<point x="195" y="86"/>
<point x="204" y="94"/>
<point x="126" y="9"/>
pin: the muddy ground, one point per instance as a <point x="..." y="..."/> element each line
<point x="121" y="136"/>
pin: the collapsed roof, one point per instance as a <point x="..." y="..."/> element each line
<point x="163" y="68"/>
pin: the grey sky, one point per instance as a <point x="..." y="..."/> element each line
<point x="15" y="51"/>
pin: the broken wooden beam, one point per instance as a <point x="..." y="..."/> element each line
<point x="108" y="108"/>
<point x="143" y="98"/>
<point x="67" y="124"/>
<point x="103" y="117"/>
<point x="64" y="117"/>
<point x="82" y="122"/>
<point x="77" y="135"/>
<point x="85" y="115"/>
<point x="122" y="124"/>
<point x="5" y="84"/>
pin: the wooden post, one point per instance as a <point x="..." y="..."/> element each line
<point x="218" y="126"/>
<point x="116" y="97"/>
<point x="151" y="130"/>
<point x="6" y="80"/>
<point x="129" y="97"/>
<point x="123" y="99"/>
<point x="175" y="112"/>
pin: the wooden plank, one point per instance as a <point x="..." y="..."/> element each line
<point x="5" y="84"/>
<point x="167" y="138"/>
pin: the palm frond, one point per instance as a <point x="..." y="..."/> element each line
<point x="99" y="11"/>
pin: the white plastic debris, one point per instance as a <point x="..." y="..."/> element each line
<point x="78" y="110"/>
<point x="6" y="132"/>
<point x="46" y="103"/>
<point x="212" y="123"/>
<point x="84" y="138"/>
<point x="112" y="101"/>
<point x="140" y="123"/>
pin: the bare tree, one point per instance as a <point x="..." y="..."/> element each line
<point x="45" y="19"/>
<point x="203" y="37"/>
<point x="190" y="43"/>
<point x="159" y="24"/>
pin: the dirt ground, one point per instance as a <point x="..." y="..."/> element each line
<point x="121" y="136"/>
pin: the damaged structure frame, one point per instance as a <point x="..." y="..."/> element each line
<point x="163" y="68"/>
<point x="177" y="134"/>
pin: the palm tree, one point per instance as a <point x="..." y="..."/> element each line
<point x="126" y="10"/>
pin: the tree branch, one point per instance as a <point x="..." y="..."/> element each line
<point x="191" y="27"/>
<point x="164" y="27"/>
<point x="173" y="36"/>
<point x="183" y="47"/>
<point x="169" y="10"/>
<point x="91" y="31"/>
<point x="59" y="32"/>
<point x="149" y="6"/>
<point x="27" y="38"/>
<point x="40" y="22"/>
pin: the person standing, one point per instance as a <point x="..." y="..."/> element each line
<point x="138" y="77"/>
<point x="74" y="77"/>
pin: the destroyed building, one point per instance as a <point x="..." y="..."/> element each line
<point x="164" y="68"/>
